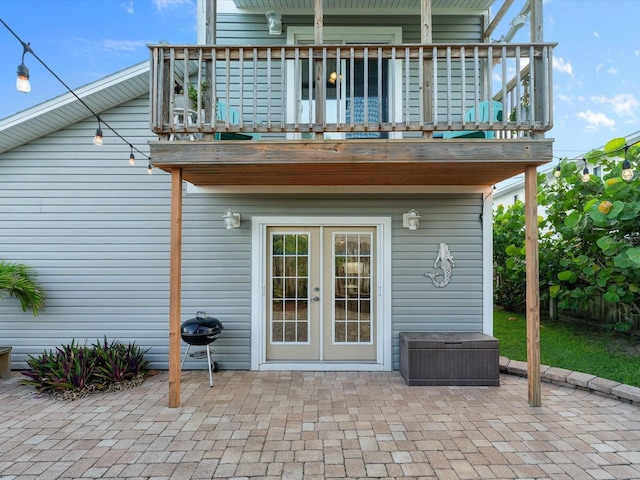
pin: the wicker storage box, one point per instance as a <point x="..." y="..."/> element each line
<point x="456" y="358"/>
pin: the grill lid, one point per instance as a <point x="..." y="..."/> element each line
<point x="201" y="330"/>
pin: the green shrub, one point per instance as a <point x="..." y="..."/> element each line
<point x="117" y="362"/>
<point x="76" y="368"/>
<point x="18" y="280"/>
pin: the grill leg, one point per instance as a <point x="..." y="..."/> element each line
<point x="210" y="367"/>
<point x="185" y="356"/>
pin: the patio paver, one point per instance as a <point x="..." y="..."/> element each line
<point x="318" y="425"/>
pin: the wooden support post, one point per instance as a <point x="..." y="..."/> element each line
<point x="540" y="83"/>
<point x="320" y="80"/>
<point x="532" y="285"/>
<point x="210" y="39"/>
<point x="426" y="37"/>
<point x="175" y="287"/>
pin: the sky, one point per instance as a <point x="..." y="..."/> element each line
<point x="596" y="76"/>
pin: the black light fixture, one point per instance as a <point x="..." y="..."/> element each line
<point x="132" y="157"/>
<point x="557" y="171"/>
<point x="22" y="82"/>
<point x="627" y="172"/>
<point x="97" y="140"/>
<point x="585" y="173"/>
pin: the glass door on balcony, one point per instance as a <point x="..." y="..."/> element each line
<point x="365" y="98"/>
<point x="366" y="103"/>
<point x="320" y="304"/>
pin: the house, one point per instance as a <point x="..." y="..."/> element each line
<point x="322" y="147"/>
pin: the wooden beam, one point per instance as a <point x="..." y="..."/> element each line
<point x="175" y="287"/>
<point x="532" y="285"/>
<point x="426" y="38"/>
<point x="265" y="152"/>
<point x="319" y="73"/>
<point x="496" y="20"/>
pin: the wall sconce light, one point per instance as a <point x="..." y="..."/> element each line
<point x="411" y="219"/>
<point x="518" y="21"/>
<point x="333" y="77"/>
<point x="274" y="21"/>
<point x="231" y="219"/>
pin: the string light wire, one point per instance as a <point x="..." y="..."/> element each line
<point x="27" y="48"/>
<point x="627" y="172"/>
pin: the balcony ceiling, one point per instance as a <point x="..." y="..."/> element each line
<point x="357" y="4"/>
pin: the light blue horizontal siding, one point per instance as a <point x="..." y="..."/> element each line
<point x="97" y="232"/>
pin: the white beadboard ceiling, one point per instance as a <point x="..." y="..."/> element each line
<point x="64" y="110"/>
<point x="362" y="4"/>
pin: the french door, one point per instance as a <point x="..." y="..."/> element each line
<point x="321" y="305"/>
<point x="356" y="90"/>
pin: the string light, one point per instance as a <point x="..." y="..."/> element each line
<point x="132" y="157"/>
<point x="585" y="173"/>
<point x="149" y="168"/>
<point x="23" y="85"/>
<point x="97" y="140"/>
<point x="22" y="82"/>
<point x="627" y="172"/>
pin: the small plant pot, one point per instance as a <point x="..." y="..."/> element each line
<point x="178" y="102"/>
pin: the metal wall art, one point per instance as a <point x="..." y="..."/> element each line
<point x="444" y="263"/>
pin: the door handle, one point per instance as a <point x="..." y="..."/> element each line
<point x="316" y="299"/>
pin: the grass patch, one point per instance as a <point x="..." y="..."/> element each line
<point x="574" y="347"/>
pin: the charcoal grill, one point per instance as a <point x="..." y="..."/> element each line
<point x="201" y="331"/>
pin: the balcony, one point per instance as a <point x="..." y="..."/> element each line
<point x="342" y="105"/>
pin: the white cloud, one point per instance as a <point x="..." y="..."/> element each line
<point x="598" y="99"/>
<point x="595" y="120"/>
<point x="128" y="7"/>
<point x="598" y="68"/>
<point x="612" y="71"/>
<point x="564" y="98"/>
<point x="562" y="66"/>
<point x="596" y="34"/>
<point x="124" y="45"/>
<point x="637" y="52"/>
<point x="625" y="105"/>
<point x="163" y="4"/>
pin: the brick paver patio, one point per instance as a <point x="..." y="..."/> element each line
<point x="309" y="425"/>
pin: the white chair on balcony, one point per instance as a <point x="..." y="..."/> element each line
<point x="179" y="118"/>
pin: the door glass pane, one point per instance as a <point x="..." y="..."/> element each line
<point x="289" y="288"/>
<point x="352" y="296"/>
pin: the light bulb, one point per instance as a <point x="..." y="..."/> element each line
<point x="557" y="172"/>
<point x="149" y="169"/>
<point x="97" y="140"/>
<point x="132" y="159"/>
<point x="22" y="82"/>
<point x="627" y="172"/>
<point x="585" y="175"/>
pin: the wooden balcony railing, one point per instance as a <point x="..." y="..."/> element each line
<point x="349" y="90"/>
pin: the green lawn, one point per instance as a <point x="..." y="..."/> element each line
<point x="574" y="347"/>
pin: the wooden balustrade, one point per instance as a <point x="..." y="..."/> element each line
<point x="366" y="90"/>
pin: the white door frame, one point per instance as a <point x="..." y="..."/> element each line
<point x="259" y="224"/>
